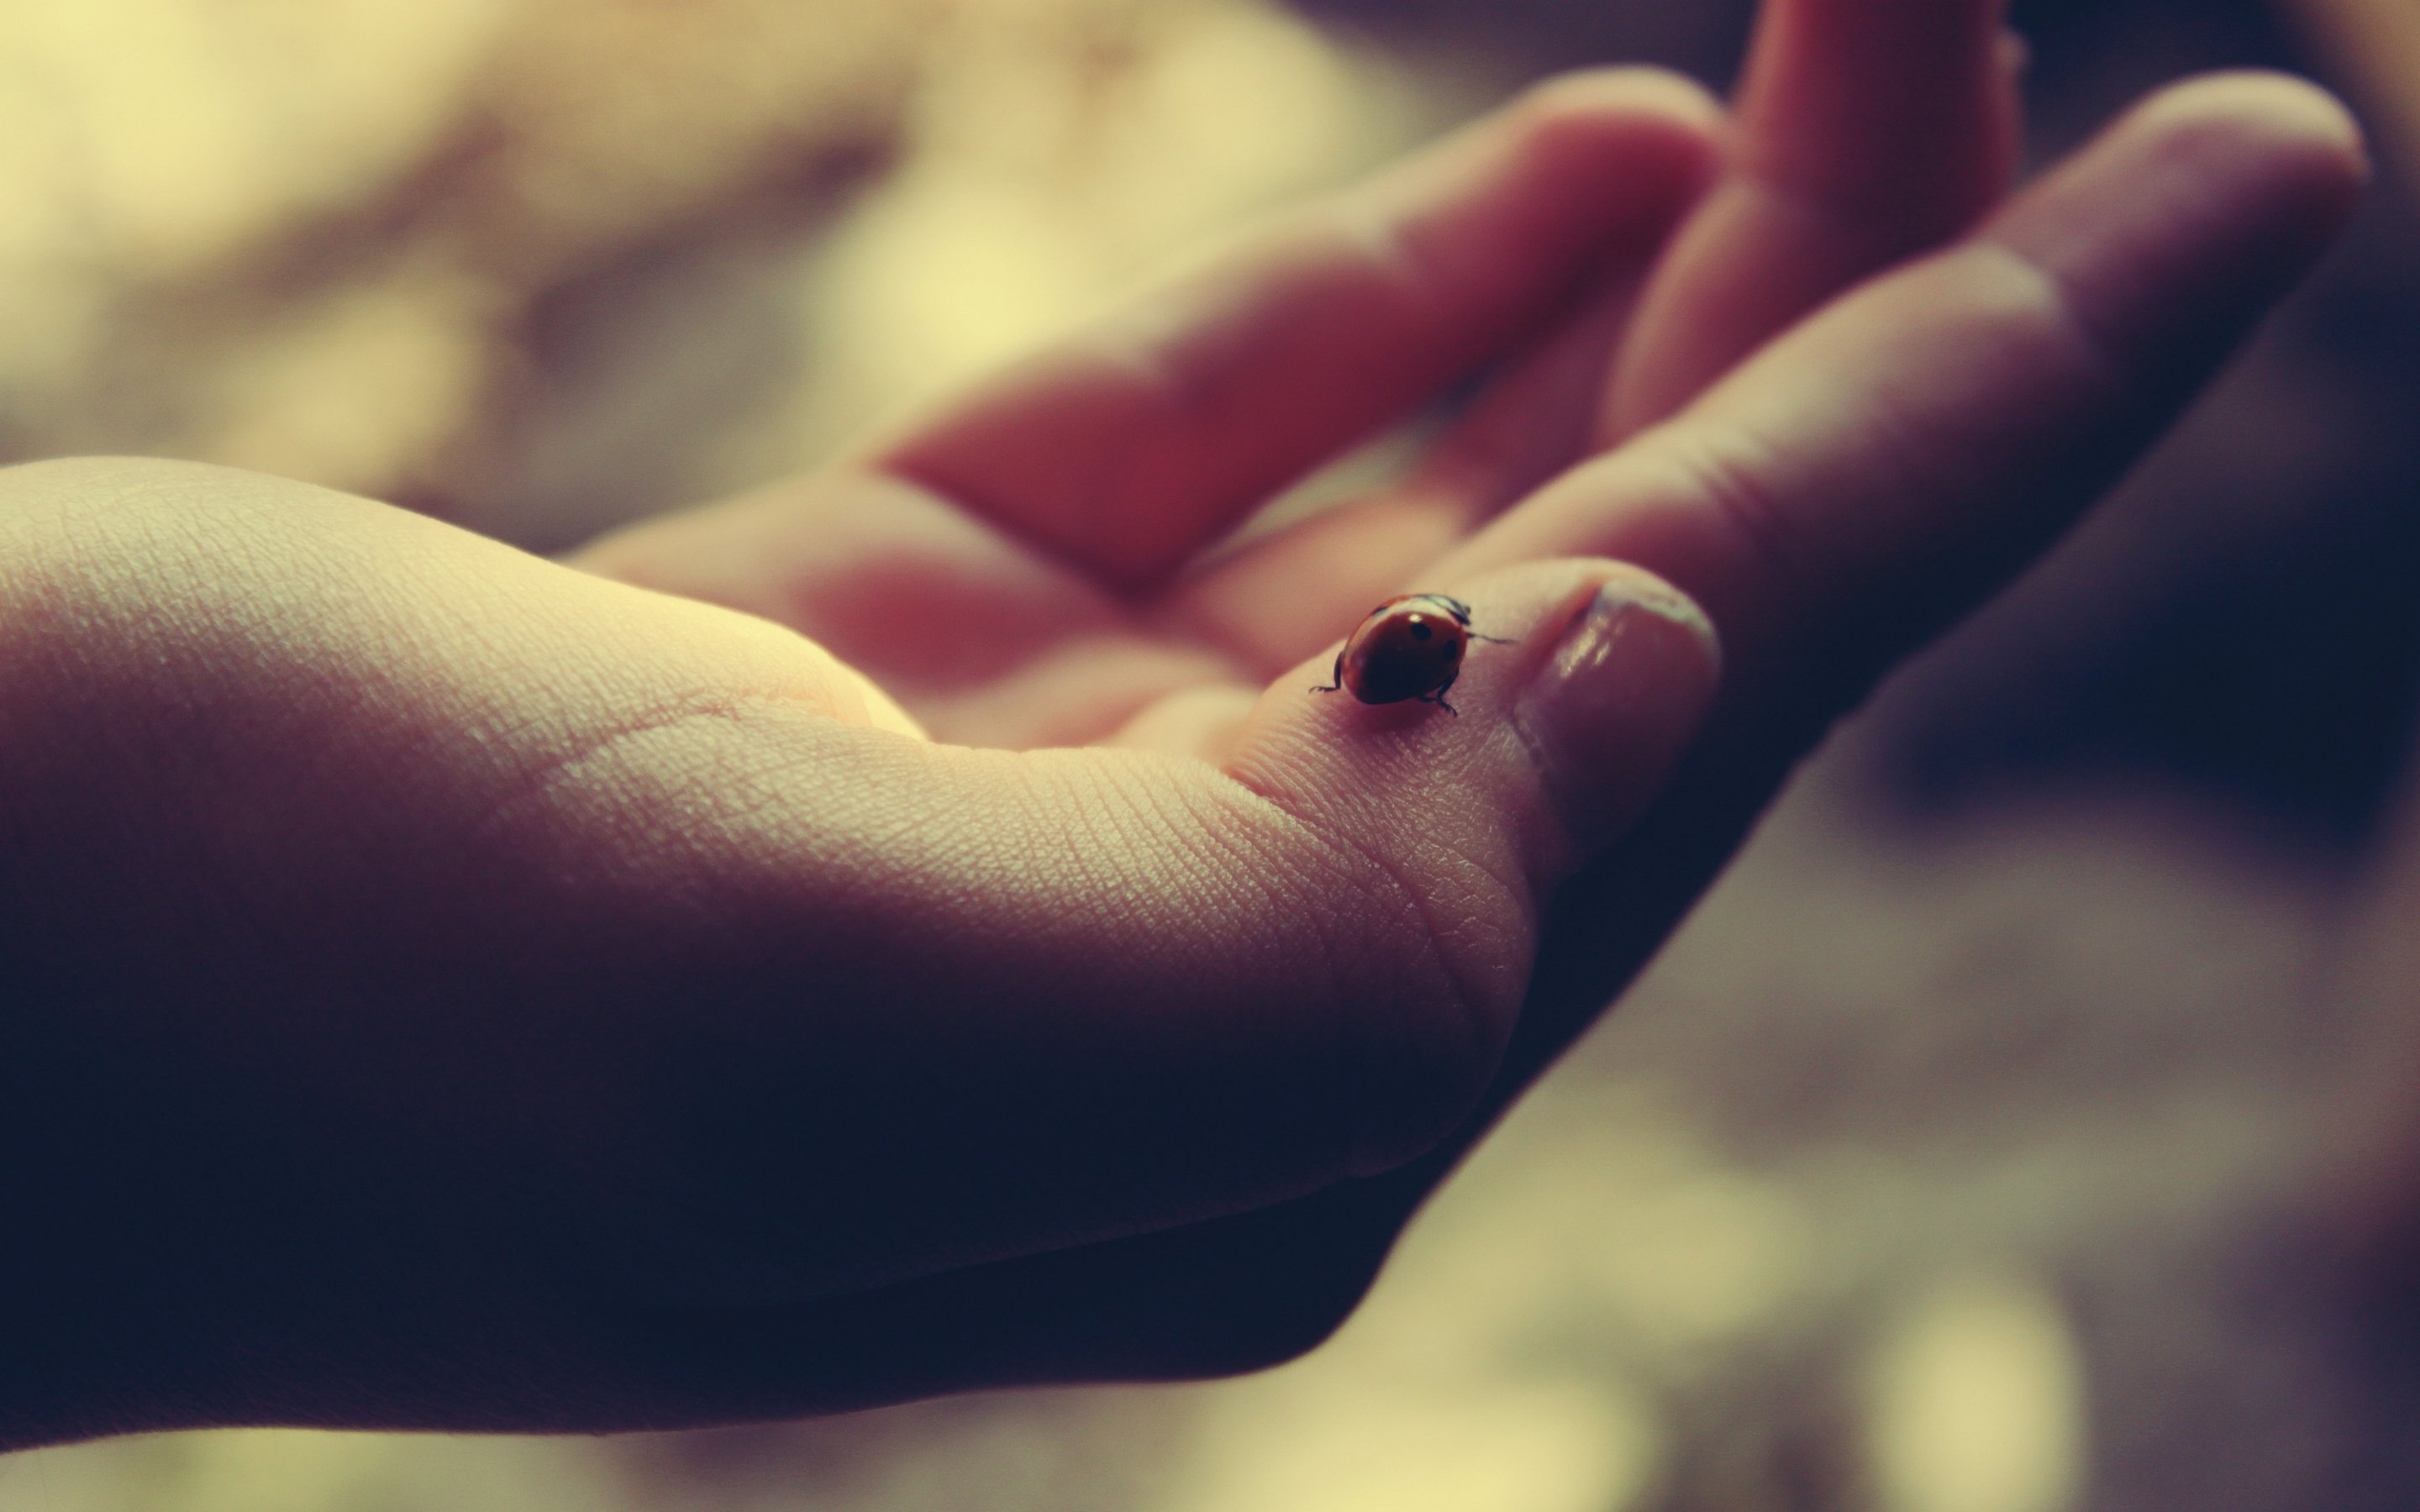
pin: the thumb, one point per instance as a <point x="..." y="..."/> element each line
<point x="1592" y="681"/>
<point x="952" y="1005"/>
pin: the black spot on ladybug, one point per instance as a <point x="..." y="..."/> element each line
<point x="1452" y="649"/>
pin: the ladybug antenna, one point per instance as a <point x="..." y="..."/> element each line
<point x="1461" y="612"/>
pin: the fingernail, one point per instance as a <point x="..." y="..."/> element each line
<point x="1609" y="713"/>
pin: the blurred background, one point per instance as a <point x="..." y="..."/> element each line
<point x="2016" y="1130"/>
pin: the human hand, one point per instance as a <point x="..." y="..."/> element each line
<point x="405" y="926"/>
<point x="1861" y="485"/>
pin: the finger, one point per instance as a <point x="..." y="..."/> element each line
<point x="1868" y="130"/>
<point x="967" y="1005"/>
<point x="1274" y="601"/>
<point x="1561" y="729"/>
<point x="1131" y="446"/>
<point x="1881" y="468"/>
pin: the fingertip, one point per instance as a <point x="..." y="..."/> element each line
<point x="1642" y="124"/>
<point x="1621" y="96"/>
<point x="1654" y="132"/>
<point x="2258" y="108"/>
<point x="2304" y="141"/>
<point x="1460" y="828"/>
<point x="2191" y="215"/>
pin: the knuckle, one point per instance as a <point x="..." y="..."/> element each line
<point x="2043" y="326"/>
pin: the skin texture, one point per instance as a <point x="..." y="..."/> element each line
<point x="449" y="988"/>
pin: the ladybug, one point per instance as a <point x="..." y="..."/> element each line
<point x="1410" y="647"/>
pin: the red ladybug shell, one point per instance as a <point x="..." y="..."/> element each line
<point x="1410" y="647"/>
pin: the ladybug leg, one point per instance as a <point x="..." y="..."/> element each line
<point x="1336" y="678"/>
<point x="1437" y="697"/>
<point x="1493" y="640"/>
